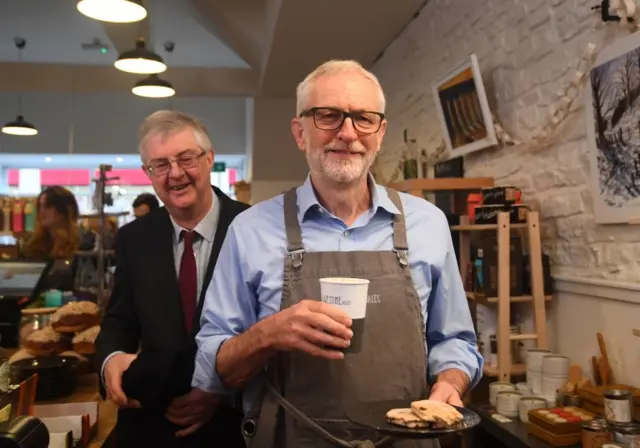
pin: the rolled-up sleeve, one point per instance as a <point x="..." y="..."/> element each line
<point x="229" y="309"/>
<point x="451" y="337"/>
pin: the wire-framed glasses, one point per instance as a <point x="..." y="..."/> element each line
<point x="185" y="160"/>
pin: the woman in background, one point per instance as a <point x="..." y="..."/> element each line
<point x="56" y="234"/>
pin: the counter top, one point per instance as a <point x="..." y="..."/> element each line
<point x="87" y="390"/>
<point x="512" y="435"/>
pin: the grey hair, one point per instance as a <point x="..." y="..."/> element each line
<point x="334" y="67"/>
<point x="167" y="122"/>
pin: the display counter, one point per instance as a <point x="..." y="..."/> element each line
<point x="88" y="391"/>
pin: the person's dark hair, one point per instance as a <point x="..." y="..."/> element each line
<point x="66" y="241"/>
<point x="146" y="198"/>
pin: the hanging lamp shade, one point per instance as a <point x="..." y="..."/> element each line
<point x="140" y="60"/>
<point x="115" y="11"/>
<point x="153" y="87"/>
<point x="19" y="127"/>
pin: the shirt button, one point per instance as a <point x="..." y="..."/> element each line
<point x="346" y="233"/>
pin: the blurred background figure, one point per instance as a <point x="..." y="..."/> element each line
<point x="145" y="203"/>
<point x="56" y="232"/>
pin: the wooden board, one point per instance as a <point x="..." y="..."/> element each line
<point x="596" y="394"/>
<point x="554" y="439"/>
<point x="542" y="418"/>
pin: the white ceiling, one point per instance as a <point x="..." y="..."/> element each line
<point x="55" y="32"/>
<point x="223" y="47"/>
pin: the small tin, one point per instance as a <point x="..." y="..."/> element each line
<point x="627" y="434"/>
<point x="618" y="406"/>
<point x="595" y="433"/>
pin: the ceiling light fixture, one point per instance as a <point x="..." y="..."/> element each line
<point x="19" y="126"/>
<point x="140" y="60"/>
<point x="115" y="11"/>
<point x="153" y="87"/>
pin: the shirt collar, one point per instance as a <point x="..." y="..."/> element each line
<point x="206" y="228"/>
<point x="308" y="201"/>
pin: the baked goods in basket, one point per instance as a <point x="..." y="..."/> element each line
<point x="45" y="341"/>
<point x="75" y="317"/>
<point x="426" y="414"/>
<point x="84" y="342"/>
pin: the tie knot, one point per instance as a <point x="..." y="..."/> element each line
<point x="188" y="237"/>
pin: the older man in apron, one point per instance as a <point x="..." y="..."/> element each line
<point x="264" y="328"/>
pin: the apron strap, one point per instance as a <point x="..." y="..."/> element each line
<point x="306" y="421"/>
<point x="400" y="245"/>
<point x="292" y="226"/>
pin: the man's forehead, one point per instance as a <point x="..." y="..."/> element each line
<point x="161" y="145"/>
<point x="349" y="90"/>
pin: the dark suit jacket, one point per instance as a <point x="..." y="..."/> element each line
<point x="145" y="310"/>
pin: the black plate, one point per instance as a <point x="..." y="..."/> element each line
<point x="373" y="416"/>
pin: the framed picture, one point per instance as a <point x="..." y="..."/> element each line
<point x="463" y="109"/>
<point x="613" y="130"/>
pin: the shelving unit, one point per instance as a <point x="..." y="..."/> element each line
<point x="503" y="228"/>
<point x="417" y="187"/>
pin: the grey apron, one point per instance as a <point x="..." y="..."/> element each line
<point x="304" y="396"/>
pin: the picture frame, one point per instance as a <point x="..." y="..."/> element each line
<point x="613" y="132"/>
<point x="463" y="109"/>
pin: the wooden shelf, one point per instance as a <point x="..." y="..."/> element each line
<point x="414" y="186"/>
<point x="514" y="299"/>
<point x="479" y="227"/>
<point x="516" y="370"/>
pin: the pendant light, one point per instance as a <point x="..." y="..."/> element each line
<point x="19" y="126"/>
<point x="140" y="60"/>
<point x="115" y="11"/>
<point x="153" y="87"/>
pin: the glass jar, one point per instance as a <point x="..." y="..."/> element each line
<point x="33" y="319"/>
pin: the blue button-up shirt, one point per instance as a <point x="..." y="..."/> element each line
<point x="247" y="282"/>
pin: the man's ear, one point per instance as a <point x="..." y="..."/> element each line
<point x="298" y="132"/>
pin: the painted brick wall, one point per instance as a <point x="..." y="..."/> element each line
<point x="528" y="50"/>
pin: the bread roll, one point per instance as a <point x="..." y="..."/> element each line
<point x="75" y="317"/>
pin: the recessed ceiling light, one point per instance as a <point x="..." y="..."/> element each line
<point x="48" y="159"/>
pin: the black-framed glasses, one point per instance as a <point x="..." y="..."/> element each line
<point x="330" y="119"/>
<point x="185" y="160"/>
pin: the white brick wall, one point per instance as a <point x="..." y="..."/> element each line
<point x="528" y="51"/>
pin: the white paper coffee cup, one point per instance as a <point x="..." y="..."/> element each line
<point x="350" y="294"/>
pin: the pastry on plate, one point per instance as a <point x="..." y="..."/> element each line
<point x="440" y="415"/>
<point x="405" y="417"/>
<point x="75" y="316"/>
<point x="84" y="342"/>
<point x="45" y="341"/>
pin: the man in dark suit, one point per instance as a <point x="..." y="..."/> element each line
<point x="146" y="346"/>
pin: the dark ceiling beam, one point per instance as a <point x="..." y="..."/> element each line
<point x="16" y="77"/>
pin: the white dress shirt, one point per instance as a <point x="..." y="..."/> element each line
<point x="202" y="243"/>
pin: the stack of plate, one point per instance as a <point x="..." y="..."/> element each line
<point x="555" y="375"/>
<point x="534" y="369"/>
<point x="57" y="375"/>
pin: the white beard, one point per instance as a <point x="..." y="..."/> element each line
<point x="340" y="171"/>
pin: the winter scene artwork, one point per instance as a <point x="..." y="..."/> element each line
<point x="613" y="127"/>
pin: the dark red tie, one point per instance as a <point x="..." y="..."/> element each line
<point x="188" y="279"/>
